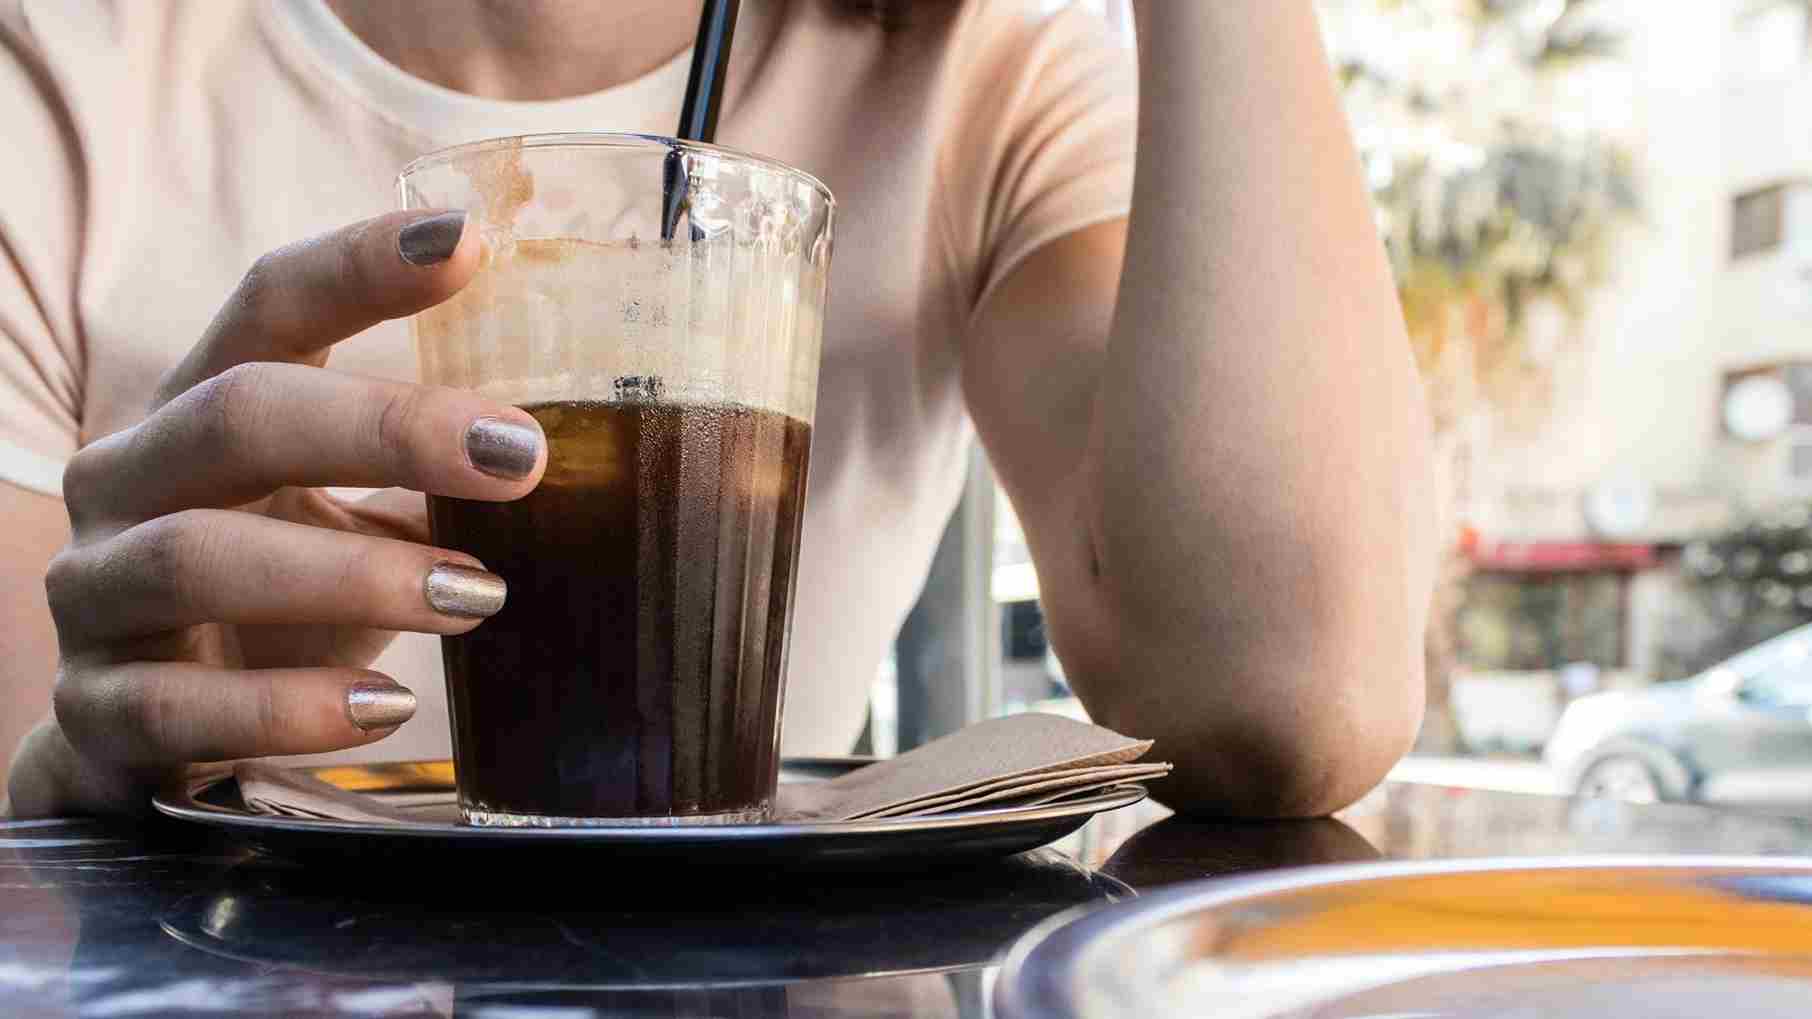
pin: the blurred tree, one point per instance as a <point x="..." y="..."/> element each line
<point x="1497" y="193"/>
<point x="1754" y="582"/>
<point x="1487" y="133"/>
<point x="1802" y="7"/>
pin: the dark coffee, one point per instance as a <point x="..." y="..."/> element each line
<point x="635" y="670"/>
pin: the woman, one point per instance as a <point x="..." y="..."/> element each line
<point x="1194" y="384"/>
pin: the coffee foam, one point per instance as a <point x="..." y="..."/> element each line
<point x="505" y="187"/>
<point x="550" y="319"/>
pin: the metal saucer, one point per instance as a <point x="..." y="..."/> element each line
<point x="892" y="843"/>
<point x="1662" y="937"/>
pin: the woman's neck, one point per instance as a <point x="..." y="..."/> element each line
<point x="524" y="49"/>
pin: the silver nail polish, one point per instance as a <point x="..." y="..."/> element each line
<point x="432" y="240"/>
<point x="504" y="449"/>
<point x="456" y="590"/>
<point x="379" y="705"/>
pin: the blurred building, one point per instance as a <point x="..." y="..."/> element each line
<point x="1686" y="403"/>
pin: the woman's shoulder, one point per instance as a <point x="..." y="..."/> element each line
<point x="115" y="40"/>
<point x="99" y="27"/>
<point x="82" y="53"/>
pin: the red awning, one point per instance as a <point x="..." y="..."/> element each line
<point x="1559" y="556"/>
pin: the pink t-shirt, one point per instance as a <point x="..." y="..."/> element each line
<point x="154" y="150"/>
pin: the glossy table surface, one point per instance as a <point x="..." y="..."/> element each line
<point x="116" y="920"/>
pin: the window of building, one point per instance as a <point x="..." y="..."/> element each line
<point x="1757" y="221"/>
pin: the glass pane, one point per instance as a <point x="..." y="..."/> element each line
<point x="1030" y="675"/>
<point x="1595" y="213"/>
<point x="1783" y="680"/>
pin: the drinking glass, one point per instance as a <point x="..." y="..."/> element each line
<point x="657" y="305"/>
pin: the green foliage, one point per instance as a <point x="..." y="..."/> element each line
<point x="1754" y="582"/>
<point x="1495" y="190"/>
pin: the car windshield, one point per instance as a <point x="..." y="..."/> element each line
<point x="1783" y="678"/>
<point x="1788" y="649"/>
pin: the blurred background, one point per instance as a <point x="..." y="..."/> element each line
<point x="1600" y="217"/>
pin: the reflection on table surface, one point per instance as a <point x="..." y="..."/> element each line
<point x="108" y="919"/>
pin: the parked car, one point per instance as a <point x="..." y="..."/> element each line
<point x="1739" y="733"/>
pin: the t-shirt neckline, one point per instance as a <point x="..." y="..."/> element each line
<point x="450" y="116"/>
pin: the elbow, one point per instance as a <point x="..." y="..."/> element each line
<point x="1291" y="726"/>
<point x="1308" y="760"/>
<point x="1277" y="660"/>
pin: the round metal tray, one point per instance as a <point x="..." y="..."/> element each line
<point x="893" y="842"/>
<point x="1638" y="936"/>
<point x="598" y="927"/>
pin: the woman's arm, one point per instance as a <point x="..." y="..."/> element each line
<point x="36" y="527"/>
<point x="1225" y="478"/>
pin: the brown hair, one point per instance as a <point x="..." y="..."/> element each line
<point x="892" y="14"/>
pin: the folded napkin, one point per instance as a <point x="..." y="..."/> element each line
<point x="288" y="792"/>
<point x="1016" y="761"/>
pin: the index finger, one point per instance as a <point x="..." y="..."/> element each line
<point x="257" y="428"/>
<point x="296" y="302"/>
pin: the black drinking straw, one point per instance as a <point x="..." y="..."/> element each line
<point x="704" y="96"/>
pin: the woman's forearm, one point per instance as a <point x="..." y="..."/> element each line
<point x="1265" y="524"/>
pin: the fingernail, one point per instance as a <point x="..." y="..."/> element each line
<point x="503" y="449"/>
<point x="456" y="590"/>
<point x="379" y="705"/>
<point x="431" y="240"/>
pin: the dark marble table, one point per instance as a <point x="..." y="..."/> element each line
<point x="112" y="920"/>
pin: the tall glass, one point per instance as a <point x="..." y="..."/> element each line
<point x="635" y="674"/>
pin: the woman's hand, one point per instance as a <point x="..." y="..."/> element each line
<point x="214" y="603"/>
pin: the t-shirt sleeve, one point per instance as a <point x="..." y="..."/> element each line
<point x="1044" y="139"/>
<point x="40" y="244"/>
